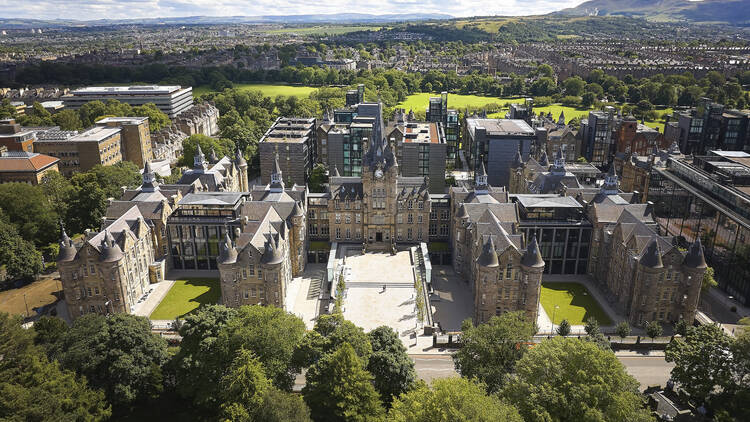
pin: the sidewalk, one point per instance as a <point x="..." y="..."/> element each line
<point x="156" y="294"/>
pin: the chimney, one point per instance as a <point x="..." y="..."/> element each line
<point x="649" y="207"/>
<point x="636" y="199"/>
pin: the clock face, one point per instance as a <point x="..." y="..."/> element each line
<point x="379" y="174"/>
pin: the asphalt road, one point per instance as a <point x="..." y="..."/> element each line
<point x="647" y="370"/>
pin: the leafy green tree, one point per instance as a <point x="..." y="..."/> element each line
<point x="654" y="329"/>
<point x="6" y="109"/>
<point x="198" y="364"/>
<point x="157" y="119"/>
<point x="318" y="178"/>
<point x="708" y="280"/>
<point x="113" y="178"/>
<point x="117" y="353"/>
<point x="392" y="368"/>
<point x="20" y="258"/>
<point x="574" y="86"/>
<point x="279" y="406"/>
<point x="88" y="203"/>
<point x="67" y="120"/>
<point x="58" y="191"/>
<point x="30" y="212"/>
<point x="623" y="329"/>
<point x="243" y="387"/>
<point x="451" y="400"/>
<point x="681" y="327"/>
<point x="702" y="360"/>
<point x="592" y="326"/>
<point x="49" y="331"/>
<point x="490" y="351"/>
<point x="340" y="389"/>
<point x="564" y="328"/>
<point x="35" y="389"/>
<point x="588" y="99"/>
<point x="543" y="86"/>
<point x="271" y="334"/>
<point x="221" y="146"/>
<point x="567" y="379"/>
<point x="329" y="333"/>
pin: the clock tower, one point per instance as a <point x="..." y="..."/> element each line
<point x="379" y="180"/>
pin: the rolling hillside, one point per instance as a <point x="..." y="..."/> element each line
<point x="735" y="12"/>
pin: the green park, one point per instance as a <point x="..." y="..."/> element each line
<point x="186" y="296"/>
<point x="571" y="301"/>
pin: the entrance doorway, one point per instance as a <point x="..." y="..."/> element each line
<point x="379" y="236"/>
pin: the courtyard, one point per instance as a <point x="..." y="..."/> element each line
<point x="571" y="301"/>
<point x="185" y="296"/>
<point x="367" y="304"/>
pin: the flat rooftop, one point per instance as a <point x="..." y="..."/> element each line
<point x="544" y="201"/>
<point x="211" y="198"/>
<point x="290" y="130"/>
<point x="501" y="127"/>
<point x="95" y="134"/>
<point x="129" y="90"/>
<point x="123" y="120"/>
<point x="425" y="133"/>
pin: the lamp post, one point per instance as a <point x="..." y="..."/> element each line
<point x="27" y="305"/>
<point x="552" y="331"/>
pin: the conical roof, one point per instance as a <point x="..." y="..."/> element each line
<point x="336" y="172"/>
<point x="518" y="160"/>
<point x="67" y="251"/>
<point x="297" y="210"/>
<point x="651" y="257"/>
<point x="212" y="158"/>
<point x="462" y="212"/>
<point x="488" y="258"/>
<point x="228" y="253"/>
<point x="239" y="160"/>
<point x="149" y="179"/>
<point x="110" y="250"/>
<point x="543" y="160"/>
<point x="695" y="257"/>
<point x="532" y="257"/>
<point x="272" y="254"/>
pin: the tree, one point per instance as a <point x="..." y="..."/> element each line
<point x="117" y="353"/>
<point x="88" y="203"/>
<point x="20" y="258"/>
<point x="708" y="280"/>
<point x="35" y="389"/>
<point x="318" y="178"/>
<point x="567" y="379"/>
<point x="588" y="99"/>
<point x="221" y="147"/>
<point x="271" y="334"/>
<point x="392" y="368"/>
<point x="340" y="389"/>
<point x="157" y="119"/>
<point x="58" y="192"/>
<point x="592" y="326"/>
<point x="112" y="178"/>
<point x="489" y="351"/>
<point x="29" y="211"/>
<point x="574" y="86"/>
<point x="243" y="388"/>
<point x="623" y="329"/>
<point x="702" y="361"/>
<point x="67" y="120"/>
<point x="564" y="328"/>
<point x="279" y="406"/>
<point x="198" y="364"/>
<point x="329" y="333"/>
<point x="49" y="331"/>
<point x="451" y="400"/>
<point x="654" y="329"/>
<point x="681" y="327"/>
<point x="543" y="86"/>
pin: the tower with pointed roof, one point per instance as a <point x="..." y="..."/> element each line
<point x="149" y="179"/>
<point x="277" y="177"/>
<point x="241" y="164"/>
<point x="199" y="160"/>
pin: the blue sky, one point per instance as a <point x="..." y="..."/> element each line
<point x="119" y="9"/>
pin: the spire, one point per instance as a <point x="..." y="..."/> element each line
<point x="561" y="120"/>
<point x="543" y="160"/>
<point x="651" y="257"/>
<point x="149" y="179"/>
<point x="239" y="160"/>
<point x="212" y="158"/>
<point x="694" y="257"/>
<point x="228" y="253"/>
<point x="611" y="182"/>
<point x="199" y="161"/>
<point x="277" y="181"/>
<point x="297" y="210"/>
<point x="480" y="181"/>
<point x="488" y="258"/>
<point x="67" y="251"/>
<point x="559" y="166"/>
<point x="532" y="257"/>
<point x="272" y="254"/>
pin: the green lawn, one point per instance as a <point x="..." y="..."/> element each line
<point x="186" y="296"/>
<point x="267" y="89"/>
<point x="575" y="304"/>
<point x="420" y="101"/>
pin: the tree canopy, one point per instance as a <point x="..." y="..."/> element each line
<point x="392" y="368"/>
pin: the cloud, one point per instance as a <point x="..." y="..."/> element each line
<point x="123" y="9"/>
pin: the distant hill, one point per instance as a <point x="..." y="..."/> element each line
<point x="340" y="18"/>
<point x="735" y="12"/>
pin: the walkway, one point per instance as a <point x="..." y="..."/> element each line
<point x="303" y="292"/>
<point x="156" y="293"/>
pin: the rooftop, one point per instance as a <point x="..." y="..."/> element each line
<point x="211" y="198"/>
<point x="95" y="134"/>
<point x="20" y="161"/>
<point x="123" y="120"/>
<point x="547" y="201"/>
<point x="129" y="90"/>
<point x="290" y="130"/>
<point x="426" y="133"/>
<point x="501" y="127"/>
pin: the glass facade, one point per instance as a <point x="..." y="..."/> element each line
<point x="565" y="250"/>
<point x="685" y="210"/>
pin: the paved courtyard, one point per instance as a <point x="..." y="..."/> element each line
<point x="367" y="304"/>
<point x="451" y="300"/>
<point x="303" y="293"/>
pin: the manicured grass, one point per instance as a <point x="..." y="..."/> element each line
<point x="186" y="296"/>
<point x="420" y="101"/>
<point x="319" y="245"/>
<point x="575" y="302"/>
<point x="267" y="89"/>
<point x="38" y="294"/>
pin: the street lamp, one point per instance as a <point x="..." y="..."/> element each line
<point x="27" y="305"/>
<point x="552" y="330"/>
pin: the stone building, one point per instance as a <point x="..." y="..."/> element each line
<point x="25" y="167"/>
<point x="503" y="269"/>
<point x="217" y="175"/>
<point x="16" y="138"/>
<point x="135" y="138"/>
<point x="200" y="119"/>
<point x="291" y="142"/>
<point x="80" y="152"/>
<point x="112" y="269"/>
<point x="166" y="144"/>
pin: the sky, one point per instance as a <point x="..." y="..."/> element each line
<point x="124" y="9"/>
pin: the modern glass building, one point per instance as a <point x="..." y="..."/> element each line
<point x="691" y="202"/>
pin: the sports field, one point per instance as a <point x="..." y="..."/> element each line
<point x="267" y="89"/>
<point x="575" y="303"/>
<point x="186" y="296"/>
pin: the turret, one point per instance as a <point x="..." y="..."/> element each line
<point x="532" y="257"/>
<point x="110" y="250"/>
<point x="272" y="254"/>
<point x="228" y="253"/>
<point x="543" y="161"/>
<point x="694" y="257"/>
<point x="199" y="161"/>
<point x="518" y="160"/>
<point x="67" y="251"/>
<point x="651" y="257"/>
<point x="212" y="158"/>
<point x="149" y="179"/>
<point x="488" y="258"/>
<point x="611" y="182"/>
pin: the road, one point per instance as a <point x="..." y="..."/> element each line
<point x="647" y="370"/>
